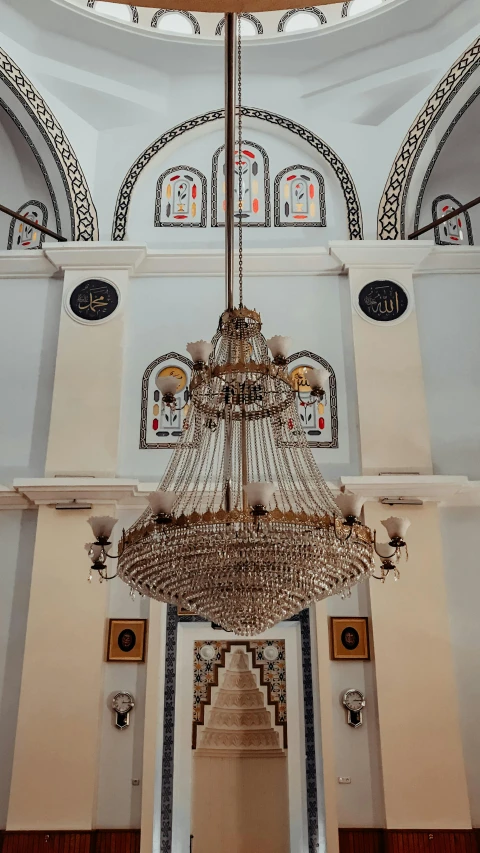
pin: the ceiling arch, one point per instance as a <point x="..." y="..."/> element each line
<point x="352" y="203"/>
<point x="45" y="136"/>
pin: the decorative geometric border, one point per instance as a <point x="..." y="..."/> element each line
<point x="173" y="619"/>
<point x="158" y="200"/>
<point x="83" y="216"/>
<point x="266" y="188"/>
<point x="435" y="157"/>
<point x="133" y="9"/>
<point x="40" y="162"/>
<point x="321" y="201"/>
<point x="257" y="24"/>
<point x="391" y="212"/>
<point x="14" y="221"/>
<point x="332" y="386"/>
<point x="167" y="445"/>
<point x="354" y="215"/>
<point x="191" y="18"/>
<point x="345" y="8"/>
<point x="466" y="214"/>
<point x="313" y="11"/>
<point x="276" y="688"/>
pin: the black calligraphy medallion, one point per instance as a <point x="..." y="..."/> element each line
<point x="383" y="301"/>
<point x="94" y="299"/>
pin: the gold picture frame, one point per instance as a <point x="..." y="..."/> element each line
<point x="349" y="638"/>
<point x="127" y="640"/>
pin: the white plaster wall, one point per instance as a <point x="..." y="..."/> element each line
<point x="17" y="538"/>
<point x="357" y="751"/>
<point x="164" y="314"/>
<point x="448" y="307"/>
<point x="20" y="177"/>
<point x="28" y="345"/>
<point x="121" y="751"/>
<point x="460" y="542"/>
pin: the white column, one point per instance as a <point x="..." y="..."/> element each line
<point x="394" y="431"/>
<point x="83" y="439"/>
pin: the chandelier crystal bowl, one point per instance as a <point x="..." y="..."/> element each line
<point x="244" y="530"/>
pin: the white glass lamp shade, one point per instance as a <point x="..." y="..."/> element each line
<point x="259" y="494"/>
<point x="162" y="502"/>
<point x="396" y="527"/>
<point x="102" y="525"/>
<point x="384" y="550"/>
<point x="349" y="504"/>
<point x="200" y="350"/>
<point x="279" y="345"/>
<point x="317" y="377"/>
<point x="167" y="384"/>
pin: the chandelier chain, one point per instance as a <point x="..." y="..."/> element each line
<point x="240" y="160"/>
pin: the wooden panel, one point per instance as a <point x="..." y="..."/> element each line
<point x="97" y="841"/>
<point x="362" y="840"/>
<point x="47" y="842"/>
<point x="409" y="841"/>
<point x="116" y="841"/>
<point x="435" y="841"/>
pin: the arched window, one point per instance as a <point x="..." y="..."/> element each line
<point x="296" y="20"/>
<point x="299" y="198"/>
<point x="249" y="26"/>
<point x="359" y="7"/>
<point x="181" y="198"/>
<point x="252" y="178"/>
<point x="457" y="230"/>
<point x="23" y="236"/>
<point x="183" y="23"/>
<point x="160" y="426"/>
<point x="119" y="11"/>
<point x="319" y="419"/>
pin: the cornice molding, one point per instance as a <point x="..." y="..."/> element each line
<point x="423" y="257"/>
<point x="383" y="254"/>
<point x="131" y="493"/>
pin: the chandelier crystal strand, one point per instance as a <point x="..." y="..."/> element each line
<point x="243" y="529"/>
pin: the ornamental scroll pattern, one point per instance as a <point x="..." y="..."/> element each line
<point x="83" y="216"/>
<point x="391" y="213"/>
<point x="272" y="676"/>
<point x="188" y="15"/>
<point x="354" y="215"/>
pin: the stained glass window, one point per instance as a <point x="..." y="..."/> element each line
<point x="161" y="426"/>
<point x="299" y="197"/>
<point x="319" y="418"/>
<point x="252" y="186"/>
<point x="457" y="230"/>
<point x="23" y="236"/>
<point x="181" y="198"/>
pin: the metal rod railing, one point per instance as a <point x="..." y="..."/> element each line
<point x="445" y="218"/>
<point x="36" y="225"/>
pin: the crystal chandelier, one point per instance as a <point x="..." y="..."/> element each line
<point x="243" y="529"/>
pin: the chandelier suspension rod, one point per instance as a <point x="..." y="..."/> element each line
<point x="230" y="105"/>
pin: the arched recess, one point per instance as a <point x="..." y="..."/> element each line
<point x="426" y="178"/>
<point x="354" y="214"/>
<point x="188" y="15"/>
<point x="313" y="10"/>
<point x="248" y="17"/>
<point x="75" y="214"/>
<point x="418" y="145"/>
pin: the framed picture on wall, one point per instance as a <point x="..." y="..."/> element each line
<point x="349" y="638"/>
<point x="127" y="640"/>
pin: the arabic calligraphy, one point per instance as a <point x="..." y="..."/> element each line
<point x="94" y="300"/>
<point x="383" y="301"/>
